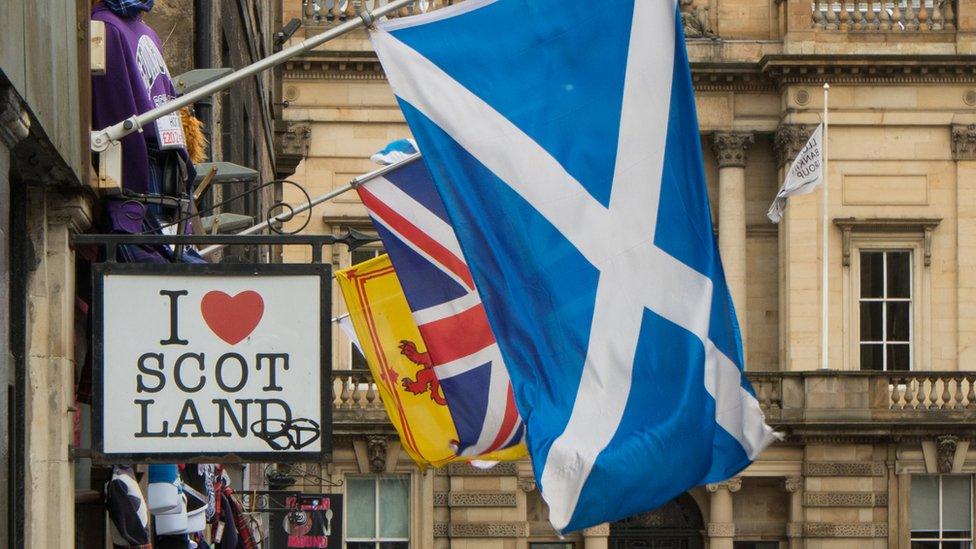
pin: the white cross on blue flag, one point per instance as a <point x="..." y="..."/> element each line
<point x="564" y="142"/>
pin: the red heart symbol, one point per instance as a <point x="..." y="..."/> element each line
<point x="232" y="318"/>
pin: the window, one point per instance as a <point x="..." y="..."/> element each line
<point x="885" y="310"/>
<point x="356" y="359"/>
<point x="378" y="512"/>
<point x="941" y="512"/>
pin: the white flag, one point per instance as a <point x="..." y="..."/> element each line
<point x="805" y="175"/>
<point x="345" y="324"/>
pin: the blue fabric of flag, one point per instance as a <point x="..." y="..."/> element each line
<point x="564" y="143"/>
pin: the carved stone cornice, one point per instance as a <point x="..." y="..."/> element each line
<point x="788" y="140"/>
<point x="964" y="142"/>
<point x="730" y="148"/>
<point x="291" y="146"/>
<point x="793" y="484"/>
<point x="14" y="120"/>
<point x="788" y="69"/>
<point x="920" y="226"/>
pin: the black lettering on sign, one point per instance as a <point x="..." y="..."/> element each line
<point x="225" y="410"/>
<point x="178" y="368"/>
<point x="189" y="415"/>
<point x="272" y="359"/>
<point x="144" y="421"/>
<point x="220" y="372"/>
<point x="144" y="368"/>
<point x="174" y="322"/>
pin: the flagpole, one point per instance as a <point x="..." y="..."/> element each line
<point x="824" y="284"/>
<point x="285" y="216"/>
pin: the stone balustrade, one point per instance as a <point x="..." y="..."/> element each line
<point x="872" y="16"/>
<point x="788" y="399"/>
<point x="334" y="12"/>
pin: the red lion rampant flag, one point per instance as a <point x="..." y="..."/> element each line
<point x="461" y="350"/>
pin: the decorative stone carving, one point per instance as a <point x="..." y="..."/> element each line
<point x="440" y="529"/>
<point x="845" y="499"/>
<point x="14" y="121"/>
<point x="733" y="485"/>
<point x="964" y="142"/>
<point x="793" y="484"/>
<point x="482" y="499"/>
<point x="721" y="529"/>
<point x="844" y="469"/>
<point x="946" y="452"/>
<point x="440" y="499"/>
<point x="845" y="529"/>
<point x="920" y="226"/>
<point x="489" y="529"/>
<point x="526" y="484"/>
<point x="695" y="20"/>
<point x="506" y="468"/>
<point x="292" y="139"/>
<point x="376" y="449"/>
<point x="788" y="140"/>
<point x="730" y="148"/>
<point x="598" y="531"/>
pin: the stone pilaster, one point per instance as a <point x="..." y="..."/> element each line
<point x="51" y="368"/>
<point x="721" y="529"/>
<point x="794" y="528"/>
<point x="730" y="151"/>
<point x="799" y="263"/>
<point x="964" y="153"/>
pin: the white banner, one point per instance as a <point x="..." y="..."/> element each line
<point x="212" y="364"/>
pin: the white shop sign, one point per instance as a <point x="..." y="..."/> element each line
<point x="198" y="361"/>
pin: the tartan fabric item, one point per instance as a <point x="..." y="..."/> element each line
<point x="128" y="8"/>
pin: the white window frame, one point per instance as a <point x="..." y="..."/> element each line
<point x="885" y="300"/>
<point x="921" y="329"/>
<point x="941" y="538"/>
<point x="376" y="518"/>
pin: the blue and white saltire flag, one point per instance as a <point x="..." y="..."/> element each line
<point x="564" y="143"/>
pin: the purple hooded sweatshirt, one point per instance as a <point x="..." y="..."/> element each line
<point x="136" y="80"/>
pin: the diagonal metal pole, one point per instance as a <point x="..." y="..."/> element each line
<point x="282" y="217"/>
<point x="101" y="139"/>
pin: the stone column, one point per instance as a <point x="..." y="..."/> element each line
<point x="50" y="398"/>
<point x="794" y="528"/>
<point x="721" y="528"/>
<point x="595" y="537"/>
<point x="730" y="151"/>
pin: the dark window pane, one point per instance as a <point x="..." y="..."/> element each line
<point x="358" y="256"/>
<point x="899" y="320"/>
<point x="956" y="545"/>
<point x="394" y="545"/>
<point x="872" y="356"/>
<point x="872" y="328"/>
<point x="925" y="544"/>
<point x="360" y="545"/>
<point x="872" y="274"/>
<point x="899" y="274"/>
<point x="899" y="357"/>
<point x="358" y="360"/>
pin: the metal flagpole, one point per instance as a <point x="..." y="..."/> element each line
<point x="825" y="260"/>
<point x="282" y="217"/>
<point x="101" y="139"/>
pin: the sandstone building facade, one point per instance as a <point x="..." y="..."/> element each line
<point x="877" y="446"/>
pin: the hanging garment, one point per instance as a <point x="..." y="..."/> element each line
<point x="127" y="510"/>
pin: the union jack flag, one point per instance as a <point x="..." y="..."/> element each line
<point x="416" y="231"/>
